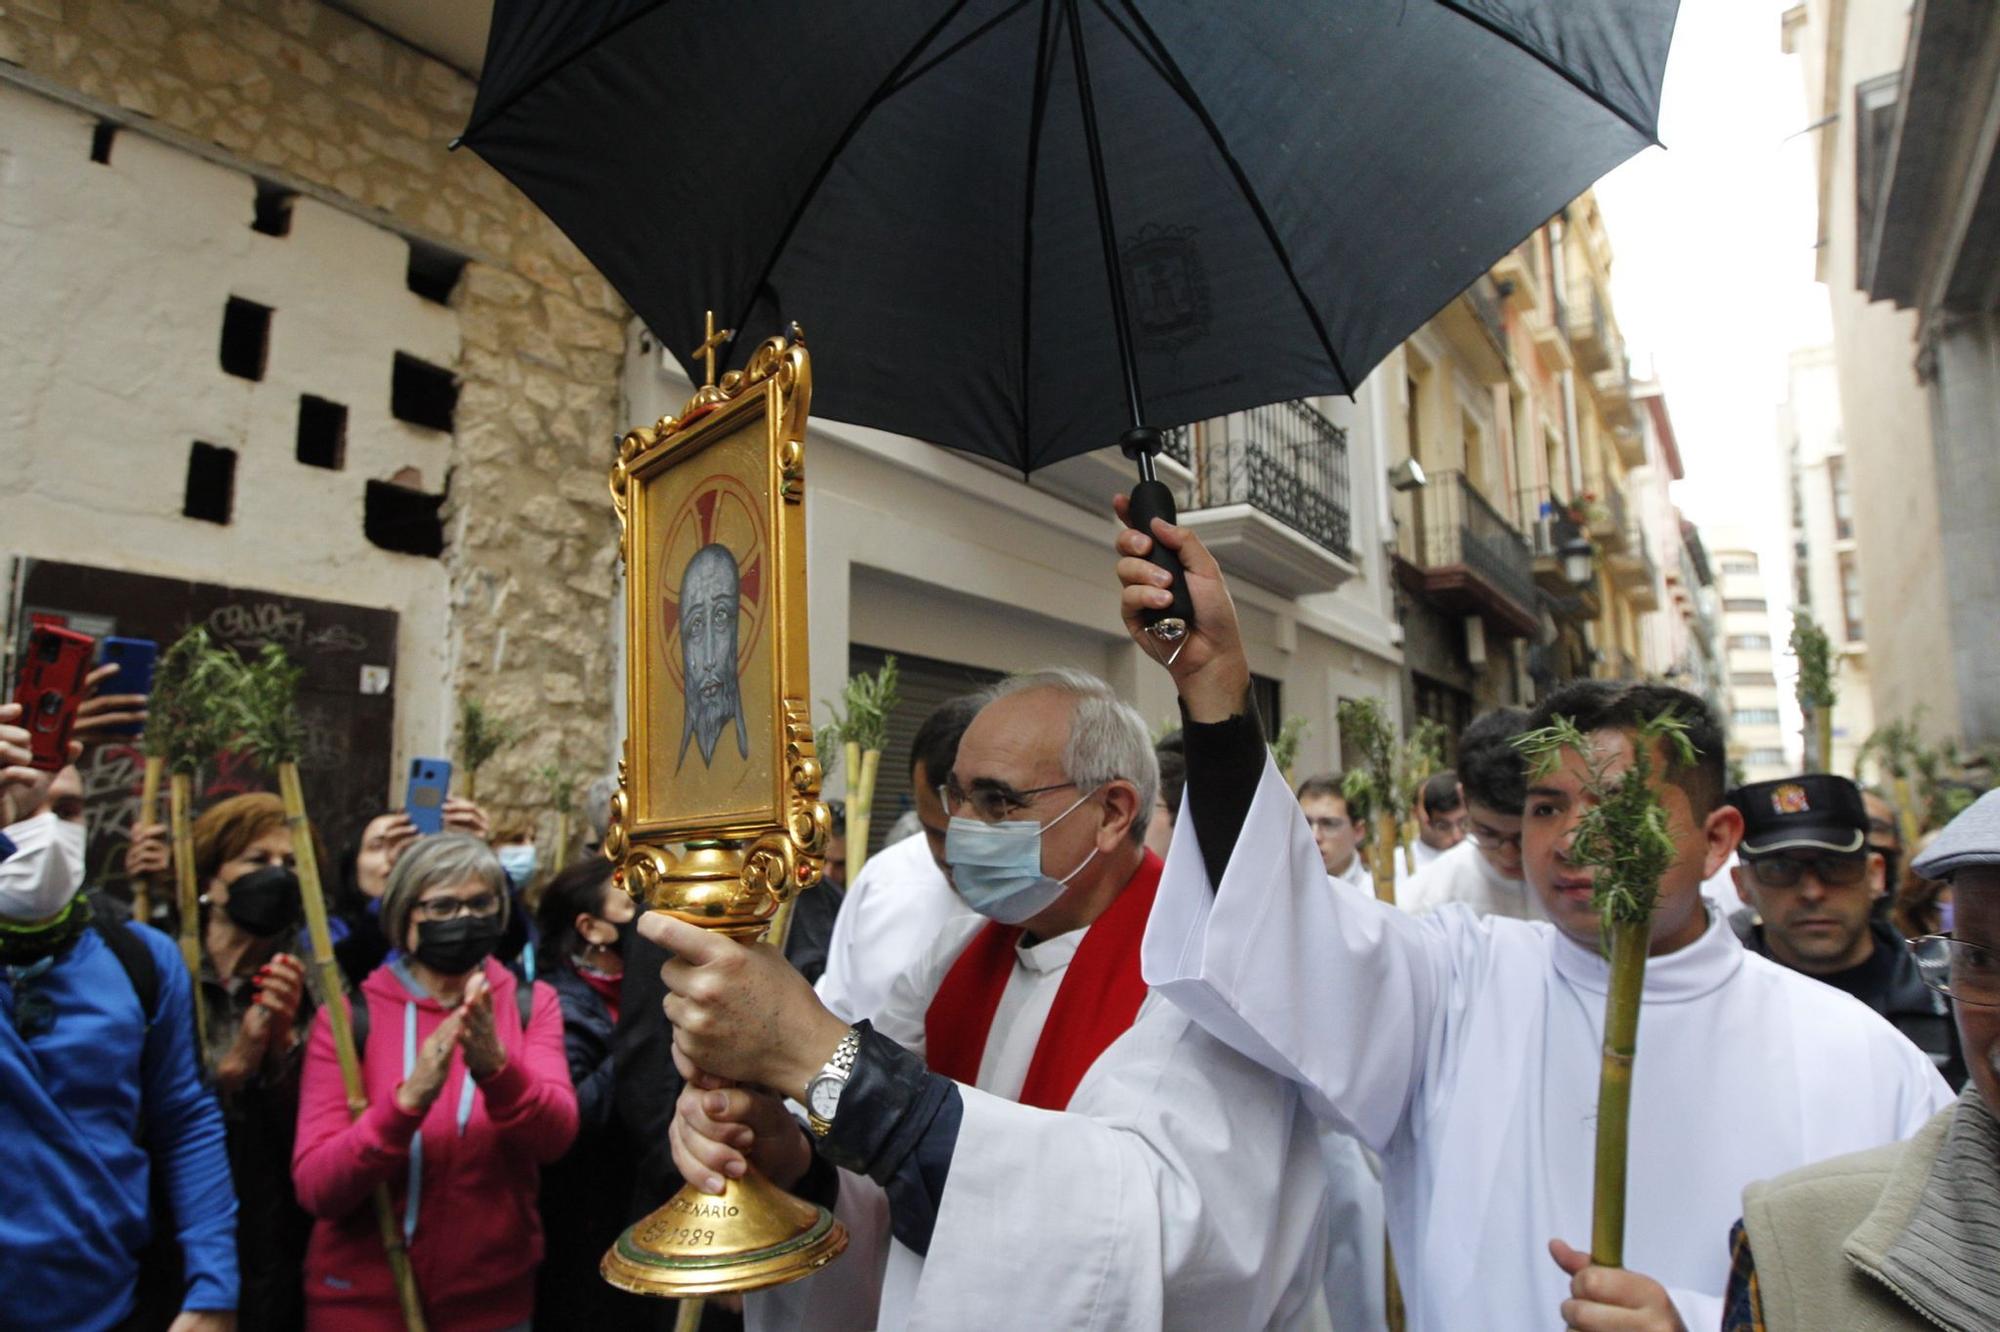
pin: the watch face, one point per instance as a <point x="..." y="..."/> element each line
<point x="823" y="1097"/>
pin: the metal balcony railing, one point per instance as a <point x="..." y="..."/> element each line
<point x="1484" y="298"/>
<point x="1286" y="460"/>
<point x="1454" y="524"/>
<point x="1178" y="446"/>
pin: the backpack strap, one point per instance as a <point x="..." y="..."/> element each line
<point x="137" y="960"/>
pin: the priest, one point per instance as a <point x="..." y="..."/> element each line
<point x="1022" y="1136"/>
<point x="1466" y="1051"/>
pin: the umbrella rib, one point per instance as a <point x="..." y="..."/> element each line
<point x="1178" y="82"/>
<point x="882" y="91"/>
<point x="1649" y="135"/>
<point x="957" y="46"/>
<point x="1044" y="58"/>
<point x="542" y="76"/>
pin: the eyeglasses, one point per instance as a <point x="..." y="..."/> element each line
<point x="451" y="908"/>
<point x="990" y="801"/>
<point x="1785" y="871"/>
<point x="1492" y="839"/>
<point x="1964" y="971"/>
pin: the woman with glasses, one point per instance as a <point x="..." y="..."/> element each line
<point x="468" y="1097"/>
<point x="1905" y="1236"/>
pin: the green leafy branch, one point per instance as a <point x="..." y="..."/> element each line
<point x="190" y="716"/>
<point x="481" y="735"/>
<point x="1815" y="653"/>
<point x="1285" y="749"/>
<point x="1622" y="833"/>
<point x="1389" y="772"/>
<point x="869" y="700"/>
<point x="265" y="708"/>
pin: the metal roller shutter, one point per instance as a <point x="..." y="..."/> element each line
<point x="926" y="683"/>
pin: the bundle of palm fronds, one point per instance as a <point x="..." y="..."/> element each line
<point x="1816" y="693"/>
<point x="481" y="735"/>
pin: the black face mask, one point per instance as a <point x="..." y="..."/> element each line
<point x="454" y="947"/>
<point x="265" y="902"/>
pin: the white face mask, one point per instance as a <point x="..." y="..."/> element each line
<point x="38" y="882"/>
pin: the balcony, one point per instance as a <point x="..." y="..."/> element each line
<point x="1551" y="341"/>
<point x="1591" y="336"/>
<point x="1610" y="519"/>
<point x="1270" y="497"/>
<point x="1613" y="390"/>
<point x="1633" y="572"/>
<point x="1514" y="275"/>
<point x="1476" y="327"/>
<point x="1556" y="542"/>
<point x="1089" y="478"/>
<point x="1460" y="555"/>
<point x="1627" y="441"/>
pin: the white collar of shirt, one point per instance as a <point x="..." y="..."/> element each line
<point x="1048" y="955"/>
<point x="1699" y="969"/>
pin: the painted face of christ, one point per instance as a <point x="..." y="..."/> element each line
<point x="708" y="612"/>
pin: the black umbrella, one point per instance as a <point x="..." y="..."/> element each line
<point x="939" y="190"/>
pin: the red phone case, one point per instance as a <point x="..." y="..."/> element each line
<point x="50" y="688"/>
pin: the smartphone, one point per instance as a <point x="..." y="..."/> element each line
<point x="430" y="781"/>
<point x="50" y="687"/>
<point x="135" y="659"/>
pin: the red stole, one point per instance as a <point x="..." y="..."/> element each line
<point x="1099" y="996"/>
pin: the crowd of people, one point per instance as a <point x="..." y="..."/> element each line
<point x="1113" y="1032"/>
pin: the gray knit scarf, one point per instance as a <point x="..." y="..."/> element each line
<point x="1946" y="1261"/>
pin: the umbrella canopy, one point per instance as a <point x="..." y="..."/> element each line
<point x="1291" y="187"/>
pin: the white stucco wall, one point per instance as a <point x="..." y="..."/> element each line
<point x="113" y="280"/>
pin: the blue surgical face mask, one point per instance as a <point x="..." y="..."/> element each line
<point x="518" y="859"/>
<point x="997" y="867"/>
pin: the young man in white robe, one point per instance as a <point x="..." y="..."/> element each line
<point x="1022" y="1137"/>
<point x="1466" y="1051"/>
<point x="1440" y="811"/>
<point x="1484" y="870"/>
<point x="1336" y="832"/>
<point x="901" y="901"/>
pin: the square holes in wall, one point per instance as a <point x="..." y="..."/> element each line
<point x="211" y="483"/>
<point x="100" y="142"/>
<point x="403" y="519"/>
<point x="273" y="212"/>
<point x="422" y="394"/>
<point x="246" y="338"/>
<point x="322" y="437"/>
<point x="433" y="272"/>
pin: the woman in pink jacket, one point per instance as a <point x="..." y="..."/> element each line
<point x="466" y="1102"/>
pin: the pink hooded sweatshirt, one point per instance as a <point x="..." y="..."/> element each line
<point x="477" y="1237"/>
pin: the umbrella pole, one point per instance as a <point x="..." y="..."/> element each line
<point x="1151" y="498"/>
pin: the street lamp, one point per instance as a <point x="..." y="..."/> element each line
<point x="1576" y="562"/>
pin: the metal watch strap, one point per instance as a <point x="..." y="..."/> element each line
<point x="838" y="1065"/>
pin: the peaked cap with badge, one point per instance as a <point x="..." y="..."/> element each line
<point x="1814" y="811"/>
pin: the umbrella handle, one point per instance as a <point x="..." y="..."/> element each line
<point x="1170" y="624"/>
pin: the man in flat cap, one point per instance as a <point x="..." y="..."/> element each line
<point x="1807" y="871"/>
<point x="1905" y="1236"/>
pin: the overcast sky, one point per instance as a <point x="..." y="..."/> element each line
<point x="1713" y="272"/>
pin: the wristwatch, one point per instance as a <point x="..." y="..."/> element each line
<point x="823" y="1092"/>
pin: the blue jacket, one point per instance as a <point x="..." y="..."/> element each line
<point x="88" y="1108"/>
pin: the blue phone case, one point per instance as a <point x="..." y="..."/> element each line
<point x="135" y="659"/>
<point x="430" y="782"/>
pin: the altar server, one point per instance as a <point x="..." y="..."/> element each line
<point x="1466" y="1051"/>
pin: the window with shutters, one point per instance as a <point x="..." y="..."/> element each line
<point x="926" y="683"/>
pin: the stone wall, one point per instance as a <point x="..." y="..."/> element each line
<point x="301" y="90"/>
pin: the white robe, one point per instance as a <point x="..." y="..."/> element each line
<point x="1358" y="876"/>
<point x="892" y="913"/>
<point x="1466" y="1052"/>
<point x="1412" y="861"/>
<point x="1181" y="1189"/>
<point x="1463" y="875"/>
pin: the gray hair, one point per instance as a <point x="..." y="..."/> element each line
<point x="1107" y="741"/>
<point x="448" y="858"/>
<point x="597" y="806"/>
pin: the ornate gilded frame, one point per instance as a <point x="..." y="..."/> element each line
<point x="733" y="874"/>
